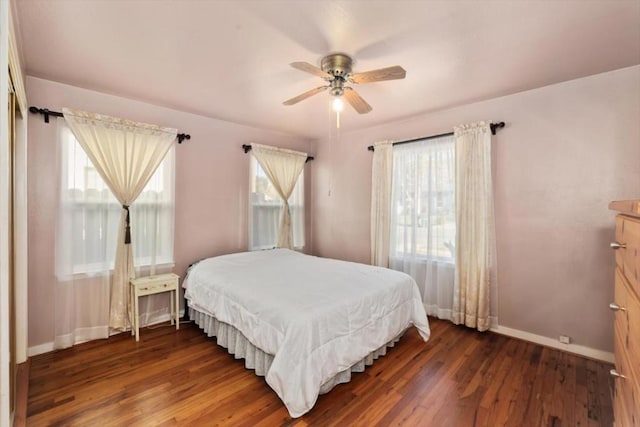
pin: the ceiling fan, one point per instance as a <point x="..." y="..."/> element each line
<point x="336" y="70"/>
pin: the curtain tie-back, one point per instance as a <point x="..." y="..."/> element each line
<point x="127" y="232"/>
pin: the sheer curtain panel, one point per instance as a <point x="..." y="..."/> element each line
<point x="423" y="223"/>
<point x="282" y="167"/>
<point x="381" y="177"/>
<point x="475" y="239"/>
<point x="86" y="229"/>
<point x="82" y="285"/>
<point x="125" y="154"/>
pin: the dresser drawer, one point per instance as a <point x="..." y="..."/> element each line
<point x="627" y="390"/>
<point x="627" y="319"/>
<point x="626" y="304"/>
<point x="628" y="257"/>
<point x="622" y="416"/>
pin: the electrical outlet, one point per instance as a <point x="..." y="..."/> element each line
<point x="564" y="339"/>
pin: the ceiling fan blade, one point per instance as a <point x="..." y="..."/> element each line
<point x="389" y="73"/>
<point x="356" y="101"/>
<point x="305" y="95"/>
<point x="308" y="68"/>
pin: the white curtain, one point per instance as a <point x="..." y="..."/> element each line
<point x="265" y="207"/>
<point x="474" y="218"/>
<point x="381" y="177"/>
<point x="423" y="228"/>
<point x="282" y="167"/>
<point x="82" y="283"/>
<point x="125" y="155"/>
<point x="86" y="227"/>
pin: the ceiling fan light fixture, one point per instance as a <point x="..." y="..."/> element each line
<point x="338" y="104"/>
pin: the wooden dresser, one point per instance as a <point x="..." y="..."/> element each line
<point x="626" y="304"/>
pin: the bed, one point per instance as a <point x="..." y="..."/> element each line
<point x="303" y="322"/>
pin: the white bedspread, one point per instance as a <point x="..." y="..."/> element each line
<point x="317" y="316"/>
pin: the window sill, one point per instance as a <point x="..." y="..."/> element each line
<point x="90" y="270"/>
<point x="267" y="248"/>
<point x="423" y="259"/>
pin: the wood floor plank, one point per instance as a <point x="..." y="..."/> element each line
<point x="459" y="378"/>
<point x="581" y="405"/>
<point x="504" y="389"/>
<point x="525" y="396"/>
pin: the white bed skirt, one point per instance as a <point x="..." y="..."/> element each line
<point x="237" y="344"/>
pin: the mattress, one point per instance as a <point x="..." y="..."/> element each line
<point x="316" y="316"/>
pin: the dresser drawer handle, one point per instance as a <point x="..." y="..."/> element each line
<point x="616" y="245"/>
<point x="616" y="374"/>
<point x="615" y="307"/>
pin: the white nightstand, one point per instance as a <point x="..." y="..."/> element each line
<point x="154" y="285"/>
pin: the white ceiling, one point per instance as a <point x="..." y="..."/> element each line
<point x="229" y="59"/>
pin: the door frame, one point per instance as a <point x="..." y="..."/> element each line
<point x="16" y="253"/>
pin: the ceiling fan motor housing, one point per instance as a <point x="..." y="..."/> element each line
<point x="337" y="64"/>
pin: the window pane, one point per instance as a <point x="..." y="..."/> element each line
<point x="90" y="215"/>
<point x="423" y="200"/>
<point x="265" y="207"/>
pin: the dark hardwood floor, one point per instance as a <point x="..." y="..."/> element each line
<point x="459" y="378"/>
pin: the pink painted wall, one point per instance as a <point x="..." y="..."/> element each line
<point x="566" y="152"/>
<point x="212" y="183"/>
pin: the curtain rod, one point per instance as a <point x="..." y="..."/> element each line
<point x="494" y="128"/>
<point x="247" y="148"/>
<point x="48" y="113"/>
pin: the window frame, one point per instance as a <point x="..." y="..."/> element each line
<point x="425" y="258"/>
<point x="110" y="204"/>
<point x="299" y="191"/>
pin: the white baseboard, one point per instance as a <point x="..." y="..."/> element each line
<point x="581" y="350"/>
<point x="40" y="349"/>
<point x="153" y="319"/>
<point x="157" y="316"/>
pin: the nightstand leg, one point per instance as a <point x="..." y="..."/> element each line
<point x="135" y="315"/>
<point x="131" y="325"/>
<point x="177" y="304"/>
<point x="172" y="313"/>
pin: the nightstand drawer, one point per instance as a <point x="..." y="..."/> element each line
<point x="152" y="288"/>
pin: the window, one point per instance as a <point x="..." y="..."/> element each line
<point x="90" y="215"/>
<point x="264" y="210"/>
<point x="423" y="218"/>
